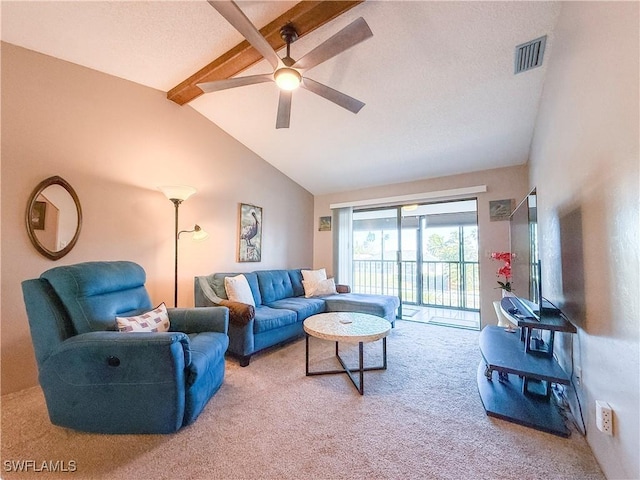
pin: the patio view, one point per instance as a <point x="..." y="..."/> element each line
<point x="427" y="255"/>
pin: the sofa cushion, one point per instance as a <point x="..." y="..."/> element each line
<point x="304" y="307"/>
<point x="268" y="318"/>
<point x="296" y="282"/>
<point x="274" y="285"/>
<point x="217" y="284"/>
<point x="380" y="305"/>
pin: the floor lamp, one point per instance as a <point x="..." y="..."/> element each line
<point x="178" y="194"/>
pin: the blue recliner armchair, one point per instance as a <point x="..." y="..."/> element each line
<point x="97" y="379"/>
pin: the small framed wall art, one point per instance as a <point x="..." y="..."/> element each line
<point x="324" y="224"/>
<point x="500" y="209"/>
<point x="250" y="233"/>
<point x="38" y="214"/>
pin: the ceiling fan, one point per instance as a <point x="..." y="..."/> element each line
<point x="287" y="72"/>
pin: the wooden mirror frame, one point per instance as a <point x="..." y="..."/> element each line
<point x="56" y="180"/>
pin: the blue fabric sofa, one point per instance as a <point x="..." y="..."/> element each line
<point x="281" y="308"/>
<point x="97" y="379"/>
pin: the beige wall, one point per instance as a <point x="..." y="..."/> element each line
<point x="585" y="161"/>
<point x="501" y="183"/>
<point x="115" y="141"/>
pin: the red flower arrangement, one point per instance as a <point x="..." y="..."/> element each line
<point x="505" y="270"/>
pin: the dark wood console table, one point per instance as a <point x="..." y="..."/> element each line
<point x="521" y="390"/>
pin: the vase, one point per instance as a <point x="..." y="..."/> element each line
<point x="502" y="320"/>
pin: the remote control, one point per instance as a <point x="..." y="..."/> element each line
<point x="345" y="320"/>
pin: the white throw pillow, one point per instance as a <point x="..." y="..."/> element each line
<point x="156" y="320"/>
<point x="238" y="290"/>
<point x="310" y="280"/>
<point x="323" y="287"/>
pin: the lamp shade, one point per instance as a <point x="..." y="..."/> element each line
<point x="199" y="234"/>
<point x="177" y="192"/>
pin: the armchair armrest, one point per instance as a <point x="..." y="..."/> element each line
<point x="239" y="313"/>
<point x="201" y="319"/>
<point x="120" y="358"/>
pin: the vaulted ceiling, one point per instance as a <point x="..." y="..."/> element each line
<point x="437" y="79"/>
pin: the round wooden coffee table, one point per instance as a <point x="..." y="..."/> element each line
<point x="348" y="327"/>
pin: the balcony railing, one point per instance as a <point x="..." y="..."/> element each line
<point x="437" y="284"/>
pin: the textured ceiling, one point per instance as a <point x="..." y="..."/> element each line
<point x="437" y="79"/>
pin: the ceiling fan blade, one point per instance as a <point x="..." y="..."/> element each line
<point x="339" y="98"/>
<point x="218" y="85"/>
<point x="354" y="33"/>
<point x="284" y="109"/>
<point x="232" y="14"/>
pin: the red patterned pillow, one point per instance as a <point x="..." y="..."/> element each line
<point x="157" y="320"/>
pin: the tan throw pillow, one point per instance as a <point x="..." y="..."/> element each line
<point x="323" y="287"/>
<point x="310" y="280"/>
<point x="157" y="320"/>
<point x="238" y="290"/>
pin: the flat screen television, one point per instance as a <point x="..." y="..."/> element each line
<point x="525" y="264"/>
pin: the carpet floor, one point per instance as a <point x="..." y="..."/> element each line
<point x="422" y="418"/>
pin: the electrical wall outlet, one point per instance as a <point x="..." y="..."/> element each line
<point x="604" y="417"/>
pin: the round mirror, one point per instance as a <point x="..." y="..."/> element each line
<point x="54" y="218"/>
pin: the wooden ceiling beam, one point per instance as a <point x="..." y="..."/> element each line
<point x="306" y="16"/>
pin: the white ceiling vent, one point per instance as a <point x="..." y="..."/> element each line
<point x="529" y="55"/>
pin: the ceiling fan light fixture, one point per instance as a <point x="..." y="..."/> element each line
<point x="287" y="78"/>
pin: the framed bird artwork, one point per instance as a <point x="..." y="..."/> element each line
<point x="250" y="233"/>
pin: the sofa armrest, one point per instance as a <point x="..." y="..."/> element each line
<point x="197" y="320"/>
<point x="343" y="289"/>
<point x="239" y="313"/>
<point x="121" y="358"/>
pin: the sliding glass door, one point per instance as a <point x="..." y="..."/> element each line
<point x="425" y="254"/>
<point x="376" y="240"/>
<point x="450" y="266"/>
